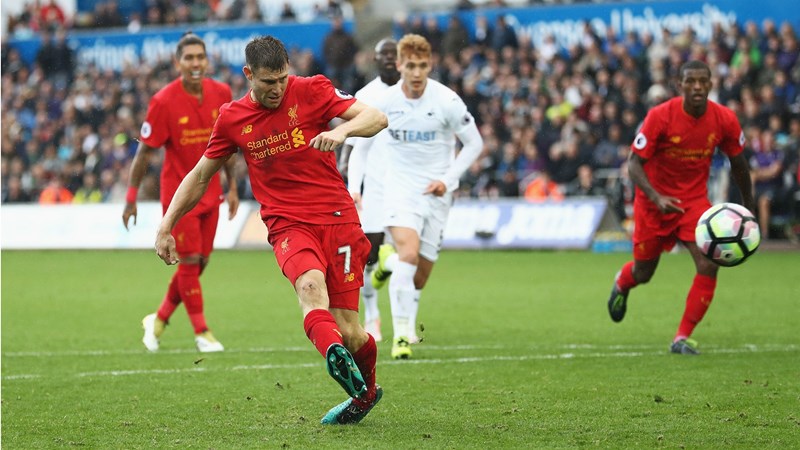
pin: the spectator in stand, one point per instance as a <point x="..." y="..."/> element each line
<point x="89" y="192"/>
<point x="455" y="38"/>
<point x="55" y="192"/>
<point x="542" y="188"/>
<point x="287" y="13"/>
<point x="14" y="192"/>
<point x="56" y="59"/>
<point x="503" y="34"/>
<point x="51" y="16"/>
<point x="339" y="49"/>
<point x="585" y="184"/>
<point x="767" y="174"/>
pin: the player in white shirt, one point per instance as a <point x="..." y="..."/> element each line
<point x="425" y="117"/>
<point x="366" y="166"/>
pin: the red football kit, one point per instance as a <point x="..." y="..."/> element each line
<point x="304" y="201"/>
<point x="182" y="124"/>
<point x="678" y="148"/>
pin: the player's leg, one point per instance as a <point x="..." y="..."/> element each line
<point x="698" y="300"/>
<point x="155" y="323"/>
<point x="402" y="291"/>
<point x="194" y="240"/>
<point x="632" y="274"/>
<point x="298" y="250"/>
<point x="424" y="269"/>
<point x="431" y="238"/>
<point x="184" y="286"/>
<point x="365" y="354"/>
<point x="647" y="247"/>
<point x="372" y="316"/>
<point x="352" y="249"/>
<point x="349" y="250"/>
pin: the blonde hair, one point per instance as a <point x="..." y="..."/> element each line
<point x="413" y="44"/>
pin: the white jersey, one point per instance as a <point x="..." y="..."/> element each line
<point x="422" y="137"/>
<point x="375" y="167"/>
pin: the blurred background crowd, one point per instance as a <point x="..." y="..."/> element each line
<point x="556" y="121"/>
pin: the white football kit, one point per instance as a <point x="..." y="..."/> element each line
<point x="421" y="142"/>
<point x="367" y="164"/>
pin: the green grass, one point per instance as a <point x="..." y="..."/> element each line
<point x="518" y="352"/>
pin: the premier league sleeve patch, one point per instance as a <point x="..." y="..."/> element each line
<point x="640" y="142"/>
<point x="342" y="94"/>
<point x="146" y="130"/>
<point x="742" y="139"/>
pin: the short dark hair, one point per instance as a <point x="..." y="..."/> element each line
<point x="188" y="38"/>
<point x="694" y="65"/>
<point x="266" y="52"/>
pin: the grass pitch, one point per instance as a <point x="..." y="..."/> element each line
<point x="518" y="352"/>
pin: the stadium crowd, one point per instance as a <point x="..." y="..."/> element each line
<point x="555" y="121"/>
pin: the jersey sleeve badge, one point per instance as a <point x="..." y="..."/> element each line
<point x="640" y="142"/>
<point x="146" y="130"/>
<point x="342" y="94"/>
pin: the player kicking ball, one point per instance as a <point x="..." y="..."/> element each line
<point x="281" y="125"/>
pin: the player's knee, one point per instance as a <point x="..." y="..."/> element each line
<point x="311" y="292"/>
<point x="643" y="276"/>
<point x="408" y="256"/>
<point x="193" y="259"/>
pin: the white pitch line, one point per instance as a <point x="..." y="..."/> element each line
<point x="748" y="348"/>
<point x="309" y="349"/>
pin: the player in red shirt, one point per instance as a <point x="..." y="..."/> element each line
<point x="669" y="164"/>
<point x="281" y="126"/>
<point x="181" y="117"/>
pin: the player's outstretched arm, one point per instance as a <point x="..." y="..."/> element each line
<point x="361" y="121"/>
<point x="137" y="171"/>
<point x="740" y="170"/>
<point x="189" y="192"/>
<point x="636" y="171"/>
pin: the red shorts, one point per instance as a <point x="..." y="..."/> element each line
<point x="194" y="233"/>
<point x="338" y="251"/>
<point x="655" y="232"/>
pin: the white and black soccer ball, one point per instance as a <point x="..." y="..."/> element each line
<point x="727" y="234"/>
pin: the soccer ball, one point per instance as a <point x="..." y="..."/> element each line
<point x="727" y="234"/>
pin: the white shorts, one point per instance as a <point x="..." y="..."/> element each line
<point x="372" y="207"/>
<point x="426" y="214"/>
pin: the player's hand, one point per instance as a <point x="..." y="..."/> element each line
<point x="668" y="205"/>
<point x="328" y="141"/>
<point x="165" y="248"/>
<point x="233" y="203"/>
<point x="437" y="188"/>
<point x="356" y="199"/>
<point x="128" y="212"/>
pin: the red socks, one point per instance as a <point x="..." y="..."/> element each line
<point x="697" y="303"/>
<point x="365" y="359"/>
<point x="322" y="330"/>
<point x="192" y="295"/>
<point x="625" y="281"/>
<point x="171" y="300"/>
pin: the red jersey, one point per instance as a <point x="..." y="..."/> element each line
<point x="182" y="124"/>
<point x="289" y="179"/>
<point x="678" y="148"/>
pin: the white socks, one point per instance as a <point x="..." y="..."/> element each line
<point x="370" y="295"/>
<point x="412" y="315"/>
<point x="391" y="262"/>
<point x="402" y="296"/>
